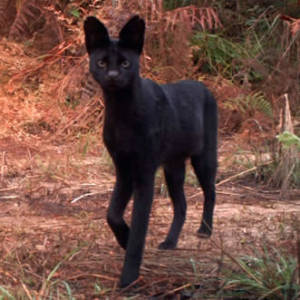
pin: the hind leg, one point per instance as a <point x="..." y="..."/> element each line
<point x="205" y="167"/>
<point x="175" y="173"/>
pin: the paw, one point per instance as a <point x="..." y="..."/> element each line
<point x="204" y="232"/>
<point x="123" y="244"/>
<point x="128" y="279"/>
<point x="167" y="245"/>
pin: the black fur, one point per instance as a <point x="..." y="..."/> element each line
<point x="147" y="125"/>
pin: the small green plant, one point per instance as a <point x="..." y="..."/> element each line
<point x="75" y="12"/>
<point x="100" y="290"/>
<point x="288" y="139"/>
<point x="195" y="268"/>
<point x="290" y="160"/>
<point x="71" y="102"/>
<point x="250" y="103"/>
<point x="269" y="275"/>
<point x="49" y="284"/>
<point x="5" y="294"/>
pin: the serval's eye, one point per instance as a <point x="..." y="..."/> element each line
<point x="125" y="64"/>
<point x="101" y="64"/>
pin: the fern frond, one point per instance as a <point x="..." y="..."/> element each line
<point x="28" y="10"/>
<point x="250" y="104"/>
<point x="258" y="102"/>
<point x="206" y="17"/>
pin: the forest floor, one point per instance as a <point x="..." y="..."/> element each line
<point x="54" y="234"/>
<point x="54" y="193"/>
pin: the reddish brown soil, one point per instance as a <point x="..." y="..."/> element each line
<point x="40" y="227"/>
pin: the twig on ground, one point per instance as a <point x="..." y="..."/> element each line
<point x="84" y="275"/>
<point x="175" y="290"/>
<point x="8" y="189"/>
<point x="26" y="290"/>
<point x="9" y="197"/>
<point x="83" y="196"/>
<point x="243" y="173"/>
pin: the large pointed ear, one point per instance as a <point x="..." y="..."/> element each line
<point x="96" y="34"/>
<point x="132" y="34"/>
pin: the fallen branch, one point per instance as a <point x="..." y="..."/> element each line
<point x="233" y="177"/>
<point x="243" y="173"/>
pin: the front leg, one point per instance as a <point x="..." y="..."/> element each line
<point x="143" y="196"/>
<point x="119" y="200"/>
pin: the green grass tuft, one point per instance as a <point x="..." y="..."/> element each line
<point x="269" y="275"/>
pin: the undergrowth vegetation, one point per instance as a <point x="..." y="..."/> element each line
<point x="267" y="274"/>
<point x="249" y="104"/>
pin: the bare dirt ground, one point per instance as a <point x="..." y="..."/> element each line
<point x="53" y="229"/>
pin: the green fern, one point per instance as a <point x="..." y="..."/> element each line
<point x="217" y="54"/>
<point x="251" y="103"/>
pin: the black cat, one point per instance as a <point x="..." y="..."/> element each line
<point x="147" y="125"/>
